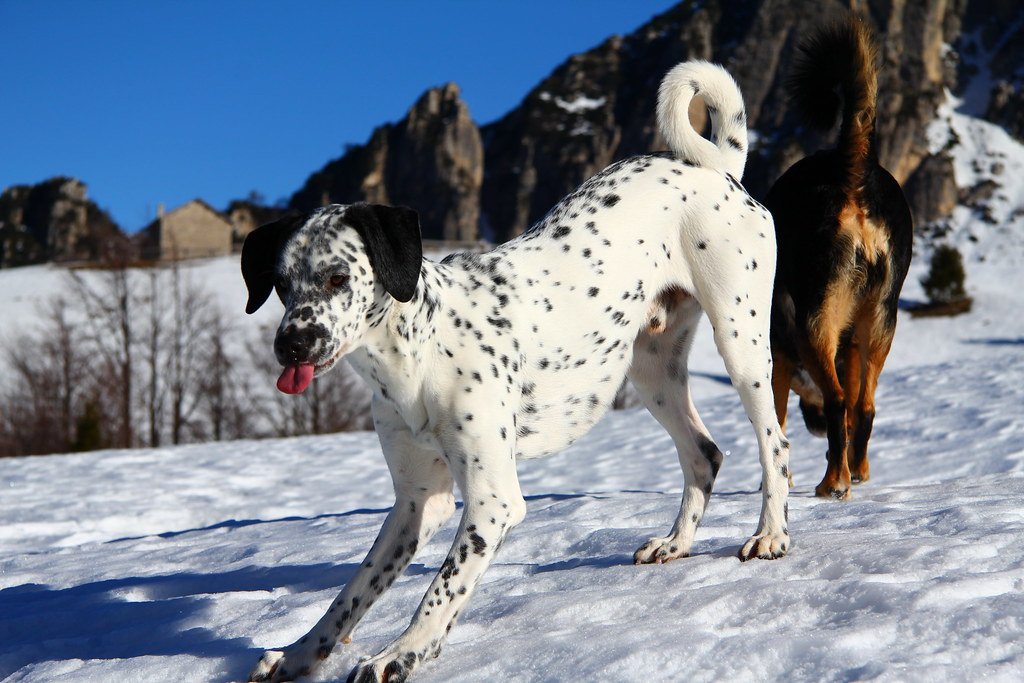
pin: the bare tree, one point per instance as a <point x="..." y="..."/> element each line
<point x="69" y="360"/>
<point x="31" y="424"/>
<point x="192" y="315"/>
<point x="226" y="387"/>
<point x="154" y="356"/>
<point x="40" y="407"/>
<point x="110" y="314"/>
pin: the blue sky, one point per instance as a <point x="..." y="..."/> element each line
<point x="151" y="102"/>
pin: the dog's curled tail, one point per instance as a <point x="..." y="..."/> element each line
<point x="839" y="57"/>
<point x="727" y="149"/>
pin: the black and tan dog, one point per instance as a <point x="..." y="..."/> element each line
<point x="844" y="234"/>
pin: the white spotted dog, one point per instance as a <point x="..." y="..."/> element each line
<point x="481" y="360"/>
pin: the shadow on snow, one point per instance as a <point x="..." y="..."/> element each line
<point x="140" y="615"/>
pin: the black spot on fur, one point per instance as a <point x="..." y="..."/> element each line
<point x="711" y="454"/>
<point x="479" y="545"/>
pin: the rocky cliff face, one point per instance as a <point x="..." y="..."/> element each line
<point x="432" y="160"/>
<point x="992" y="57"/>
<point x="599" y="106"/>
<point x="593" y="109"/>
<point x="545" y="147"/>
<point x="54" y="220"/>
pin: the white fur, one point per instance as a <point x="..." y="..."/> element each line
<point x="722" y="97"/>
<point x="518" y="352"/>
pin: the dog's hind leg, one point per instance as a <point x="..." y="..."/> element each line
<point x="423" y="502"/>
<point x="853" y="369"/>
<point x="821" y="365"/>
<point x="782" y="379"/>
<point x="873" y="354"/>
<point x="740" y="326"/>
<point x="660" y="376"/>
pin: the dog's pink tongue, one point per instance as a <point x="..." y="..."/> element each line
<point x="295" y="378"/>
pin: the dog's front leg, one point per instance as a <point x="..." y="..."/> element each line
<point x="493" y="504"/>
<point x="423" y="502"/>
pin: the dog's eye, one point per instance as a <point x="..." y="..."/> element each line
<point x="337" y="280"/>
<point x="280" y="284"/>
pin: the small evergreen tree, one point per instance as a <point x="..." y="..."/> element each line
<point x="944" y="282"/>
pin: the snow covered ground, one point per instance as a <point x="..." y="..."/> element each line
<point x="185" y="563"/>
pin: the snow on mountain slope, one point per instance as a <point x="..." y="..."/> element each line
<point x="988" y="164"/>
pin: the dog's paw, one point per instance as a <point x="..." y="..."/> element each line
<point x="832" y="491"/>
<point x="272" y="667"/>
<point x="288" y="664"/>
<point x="765" y="546"/>
<point x="660" y="550"/>
<point x="387" y="667"/>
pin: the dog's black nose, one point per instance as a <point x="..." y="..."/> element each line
<point x="293" y="344"/>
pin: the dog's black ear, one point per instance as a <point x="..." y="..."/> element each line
<point x="392" y="238"/>
<point x="260" y="252"/>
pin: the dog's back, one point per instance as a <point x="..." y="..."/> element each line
<point x="852" y="255"/>
<point x="616" y="258"/>
<point x="844" y="234"/>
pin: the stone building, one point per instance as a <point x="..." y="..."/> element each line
<point x="193" y="230"/>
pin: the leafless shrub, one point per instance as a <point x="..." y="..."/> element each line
<point x="132" y="357"/>
<point x="41" y="405"/>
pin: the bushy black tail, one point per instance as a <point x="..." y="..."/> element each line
<point x="840" y="57"/>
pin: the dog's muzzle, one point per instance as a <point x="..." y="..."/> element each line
<point x="293" y="347"/>
<point x="294" y="344"/>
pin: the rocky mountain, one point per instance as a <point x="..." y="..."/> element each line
<point x="432" y="160"/>
<point x="54" y="221"/>
<point x="992" y="61"/>
<point x="496" y="180"/>
<point x="493" y="181"/>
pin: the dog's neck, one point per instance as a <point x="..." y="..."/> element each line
<point x="396" y="353"/>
